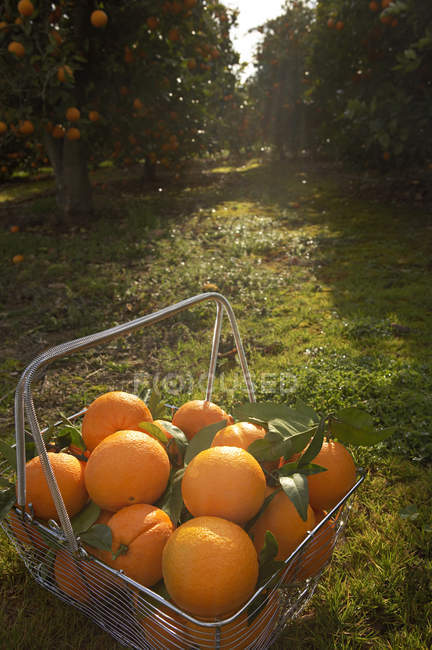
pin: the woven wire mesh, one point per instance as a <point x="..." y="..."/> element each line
<point x="137" y="617"/>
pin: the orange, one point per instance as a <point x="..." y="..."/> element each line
<point x="282" y="519"/>
<point x="319" y="550"/>
<point x="241" y="434"/>
<point x="25" y="532"/>
<point x="239" y="633"/>
<point x="127" y="467"/>
<point x="197" y="414"/>
<point x="224" y="482"/>
<point x="112" y="412"/>
<point x="80" y="579"/>
<point x="58" y="131"/>
<point x="164" y="628"/>
<point x="98" y="18"/>
<point x="25" y="7"/>
<point x="69" y="475"/>
<point x="73" y="133"/>
<point x="14" y="229"/>
<point x="339" y="25"/>
<point x="173" y="35"/>
<point x="26" y="127"/>
<point x="210" y="566"/>
<point x="3" y="127"/>
<point x="65" y="73"/>
<point x="152" y="22"/>
<point x="16" y="48"/>
<point x="17" y="259"/>
<point x="73" y="114"/>
<point x="326" y="489"/>
<point x="93" y="116"/>
<point x="143" y="530"/>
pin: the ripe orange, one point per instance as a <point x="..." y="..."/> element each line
<point x="93" y="116"/>
<point x="14" y="229"/>
<point x="173" y="35"/>
<point x="224" y="482"/>
<point x="25" y="532"/>
<point x="326" y="489"/>
<point x="17" y="259"/>
<point x="240" y="633"/>
<point x="197" y="414"/>
<point x="79" y="578"/>
<point x="210" y="566"/>
<point x="73" y="114"/>
<point x="241" y="434"/>
<point x="319" y="549"/>
<point x="373" y="6"/>
<point x="69" y="475"/>
<point x="282" y="519"/>
<point x="112" y="412"/>
<point x="26" y="127"/>
<point x="152" y="22"/>
<point x="98" y="18"/>
<point x="160" y="626"/>
<point x="330" y="23"/>
<point x="25" y="7"/>
<point x="339" y="25"/>
<point x="137" y="104"/>
<point x="3" y="127"/>
<point x="58" y="131"/>
<point x="73" y="133"/>
<point x="144" y="530"/>
<point x="65" y="73"/>
<point x="16" y="48"/>
<point x="127" y="467"/>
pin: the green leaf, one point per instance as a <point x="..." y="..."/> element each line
<point x="297" y="490"/>
<point x="307" y="412"/>
<point x="354" y="426"/>
<point x="265" y="449"/>
<point x="86" y="518"/>
<point x="172" y="500"/>
<point x="156" y="404"/>
<point x="315" y="445"/>
<point x="9" y="453"/>
<point x="154" y="431"/>
<point x="202" y="440"/>
<point x="5" y="483"/>
<point x="268" y="566"/>
<point x="410" y="512"/>
<point x="295" y="468"/>
<point x="98" y="536"/>
<point x="178" y="435"/>
<point x="297" y="420"/>
<point x="7" y="500"/>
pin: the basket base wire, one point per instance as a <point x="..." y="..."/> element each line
<point x="136" y="620"/>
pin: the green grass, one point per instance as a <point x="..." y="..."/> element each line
<point x="332" y="296"/>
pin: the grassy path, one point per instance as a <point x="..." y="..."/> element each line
<point x="332" y="293"/>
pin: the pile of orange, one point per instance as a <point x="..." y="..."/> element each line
<point x="210" y="562"/>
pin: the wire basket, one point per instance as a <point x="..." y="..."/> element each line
<point x="134" y="615"/>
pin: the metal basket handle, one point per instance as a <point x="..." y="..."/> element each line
<point x="24" y="401"/>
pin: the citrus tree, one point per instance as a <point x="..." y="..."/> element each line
<point x="277" y="89"/>
<point x="130" y="81"/>
<point x="371" y="65"/>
